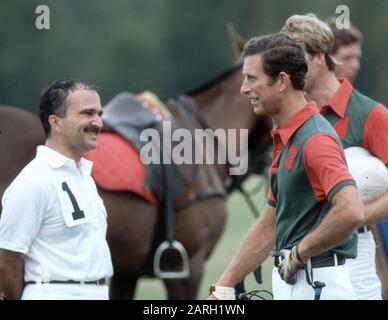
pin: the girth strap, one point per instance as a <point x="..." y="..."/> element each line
<point x="208" y="192"/>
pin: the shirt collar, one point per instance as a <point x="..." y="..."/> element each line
<point x="340" y="101"/>
<point x="56" y="160"/>
<point x="295" y="122"/>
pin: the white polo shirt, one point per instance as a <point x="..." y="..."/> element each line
<point x="53" y="214"/>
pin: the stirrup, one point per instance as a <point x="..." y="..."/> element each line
<point x="174" y="245"/>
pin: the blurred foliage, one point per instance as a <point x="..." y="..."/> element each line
<point x="168" y="46"/>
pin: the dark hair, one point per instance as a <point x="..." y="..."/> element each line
<point x="344" y="37"/>
<point x="280" y="53"/>
<point x="53" y="99"/>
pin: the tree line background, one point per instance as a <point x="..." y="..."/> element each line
<point x="167" y="46"/>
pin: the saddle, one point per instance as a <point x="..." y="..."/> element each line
<point x="128" y="115"/>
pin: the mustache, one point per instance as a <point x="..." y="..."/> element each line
<point x="93" y="129"/>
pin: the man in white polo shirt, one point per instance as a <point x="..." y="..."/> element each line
<point x="53" y="224"/>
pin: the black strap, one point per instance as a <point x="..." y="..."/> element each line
<point x="363" y="229"/>
<point x="166" y="207"/>
<point x="208" y="192"/>
<point x="98" y="282"/>
<point x="189" y="112"/>
<point x="189" y="104"/>
<point x="316" y="285"/>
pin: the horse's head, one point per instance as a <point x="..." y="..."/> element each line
<point x="259" y="141"/>
<point x="236" y="40"/>
<point x="222" y="106"/>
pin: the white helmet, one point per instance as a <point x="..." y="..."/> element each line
<point x="369" y="172"/>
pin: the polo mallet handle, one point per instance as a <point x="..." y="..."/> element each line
<point x="318" y="286"/>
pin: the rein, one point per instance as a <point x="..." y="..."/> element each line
<point x="191" y="110"/>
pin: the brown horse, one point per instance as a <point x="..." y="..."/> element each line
<point x="21" y="132"/>
<point x="199" y="225"/>
<point x="132" y="221"/>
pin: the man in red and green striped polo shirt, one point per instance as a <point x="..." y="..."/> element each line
<point x="313" y="206"/>
<point x="347" y="50"/>
<point x="359" y="122"/>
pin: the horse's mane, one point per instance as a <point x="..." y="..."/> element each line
<point x="210" y="83"/>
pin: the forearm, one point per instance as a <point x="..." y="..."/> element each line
<point x="338" y="224"/>
<point x="11" y="288"/>
<point x="376" y="210"/>
<point x="253" y="250"/>
<point x="11" y="276"/>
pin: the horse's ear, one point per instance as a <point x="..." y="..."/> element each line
<point x="237" y="40"/>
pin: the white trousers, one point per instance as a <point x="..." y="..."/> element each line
<point x="362" y="270"/>
<point x="48" y="291"/>
<point x="336" y="279"/>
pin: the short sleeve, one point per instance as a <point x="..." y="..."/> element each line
<point x="375" y="134"/>
<point x="325" y="165"/>
<point x="23" y="206"/>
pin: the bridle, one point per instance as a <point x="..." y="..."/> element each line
<point x="189" y="111"/>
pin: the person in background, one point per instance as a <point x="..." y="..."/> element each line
<point x="347" y="50"/>
<point x="358" y="120"/>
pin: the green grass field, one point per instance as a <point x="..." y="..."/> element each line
<point x="239" y="219"/>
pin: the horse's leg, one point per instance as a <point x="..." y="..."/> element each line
<point x="123" y="285"/>
<point x="131" y="224"/>
<point x="198" y="227"/>
<point x="178" y="289"/>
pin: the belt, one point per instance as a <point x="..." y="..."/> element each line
<point x="325" y="259"/>
<point x="97" y="282"/>
<point x="363" y="229"/>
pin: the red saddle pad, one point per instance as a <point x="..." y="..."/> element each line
<point x="117" y="166"/>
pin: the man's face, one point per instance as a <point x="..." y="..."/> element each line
<point x="350" y="56"/>
<point x="82" y="122"/>
<point x="258" y="86"/>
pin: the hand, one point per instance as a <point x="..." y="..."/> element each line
<point x="221" y="293"/>
<point x="290" y="265"/>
